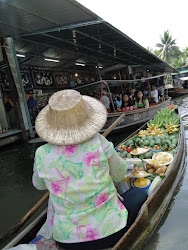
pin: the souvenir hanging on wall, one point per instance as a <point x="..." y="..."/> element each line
<point x="79" y="80"/>
<point x="87" y="79"/>
<point x="26" y="79"/>
<point x="61" y="79"/>
<point x="43" y="79"/>
<point x="4" y="82"/>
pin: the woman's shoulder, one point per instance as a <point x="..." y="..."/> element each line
<point x="45" y="148"/>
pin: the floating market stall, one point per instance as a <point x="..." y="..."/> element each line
<point x="138" y="116"/>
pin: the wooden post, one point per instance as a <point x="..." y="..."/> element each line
<point x="14" y="97"/>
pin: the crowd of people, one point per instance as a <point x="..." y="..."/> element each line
<point x="134" y="99"/>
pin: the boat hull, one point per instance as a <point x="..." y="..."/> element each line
<point x="151" y="212"/>
<point x="154" y="208"/>
<point x="134" y="117"/>
<point x="177" y="92"/>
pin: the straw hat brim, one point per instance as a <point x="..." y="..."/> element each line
<point x="97" y="116"/>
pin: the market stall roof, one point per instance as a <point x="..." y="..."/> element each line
<point x="68" y="32"/>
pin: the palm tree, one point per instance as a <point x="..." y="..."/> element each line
<point x="178" y="62"/>
<point x="181" y="60"/>
<point x="167" y="47"/>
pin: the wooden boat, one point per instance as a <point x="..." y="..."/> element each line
<point x="175" y="92"/>
<point x="138" y="116"/>
<point x="149" y="215"/>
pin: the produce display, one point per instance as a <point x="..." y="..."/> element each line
<point x="155" y="145"/>
<point x="140" y="151"/>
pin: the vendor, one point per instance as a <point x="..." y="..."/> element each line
<point x="78" y="167"/>
<point x="118" y="103"/>
<point x="154" y="94"/>
<point x="127" y="104"/>
<point x="141" y="101"/>
<point x="106" y="101"/>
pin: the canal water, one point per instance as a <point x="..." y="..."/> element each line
<point x="17" y="195"/>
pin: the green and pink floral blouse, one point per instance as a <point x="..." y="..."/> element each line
<point x="83" y="203"/>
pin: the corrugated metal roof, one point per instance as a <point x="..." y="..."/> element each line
<point x="67" y="31"/>
<point x="27" y="16"/>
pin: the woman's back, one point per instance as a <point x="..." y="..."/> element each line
<point x="85" y="205"/>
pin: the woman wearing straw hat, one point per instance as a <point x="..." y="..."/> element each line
<point x="78" y="167"/>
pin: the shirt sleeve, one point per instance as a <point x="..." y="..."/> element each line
<point x="118" y="166"/>
<point x="38" y="182"/>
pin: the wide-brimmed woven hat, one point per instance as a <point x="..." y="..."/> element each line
<point x="70" y="118"/>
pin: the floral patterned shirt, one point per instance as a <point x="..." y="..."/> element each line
<point x="83" y="203"/>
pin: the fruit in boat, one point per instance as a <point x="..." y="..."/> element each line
<point x="174" y="141"/>
<point x="162" y="174"/>
<point x="137" y="140"/>
<point x="171" y="137"/>
<point x="152" y="143"/>
<point x="156" y="147"/>
<point x="158" y="141"/>
<point x="149" y="137"/>
<point x="141" y="143"/>
<point x="156" y="167"/>
<point x="158" y="171"/>
<point x="124" y="154"/>
<point x="151" y="171"/>
<point x="148" y="166"/>
<point x="162" y="137"/>
<point x="148" y="155"/>
<point x="163" y="169"/>
<point x="146" y="143"/>
<point x="129" y="149"/>
<point x="129" y="142"/>
<point x="141" y="157"/>
<point x="129" y="155"/>
<point x="142" y="133"/>
<point x="172" y="128"/>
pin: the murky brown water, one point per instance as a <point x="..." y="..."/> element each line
<point x="17" y="195"/>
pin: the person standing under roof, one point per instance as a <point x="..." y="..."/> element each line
<point x="106" y="101"/>
<point x="154" y="94"/>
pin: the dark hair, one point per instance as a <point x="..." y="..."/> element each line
<point x="128" y="94"/>
<point x="118" y="98"/>
<point x="137" y="99"/>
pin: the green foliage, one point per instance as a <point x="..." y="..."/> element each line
<point x="170" y="52"/>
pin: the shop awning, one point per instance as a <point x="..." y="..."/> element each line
<point x="67" y="31"/>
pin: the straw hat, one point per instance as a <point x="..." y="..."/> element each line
<point x="70" y="118"/>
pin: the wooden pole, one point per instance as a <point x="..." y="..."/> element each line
<point x="45" y="197"/>
<point x="114" y="124"/>
<point x="14" y="96"/>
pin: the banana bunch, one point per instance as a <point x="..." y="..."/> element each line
<point x="154" y="130"/>
<point x="143" y="133"/>
<point x="171" y="128"/>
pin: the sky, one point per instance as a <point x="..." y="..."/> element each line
<point x="145" y="20"/>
